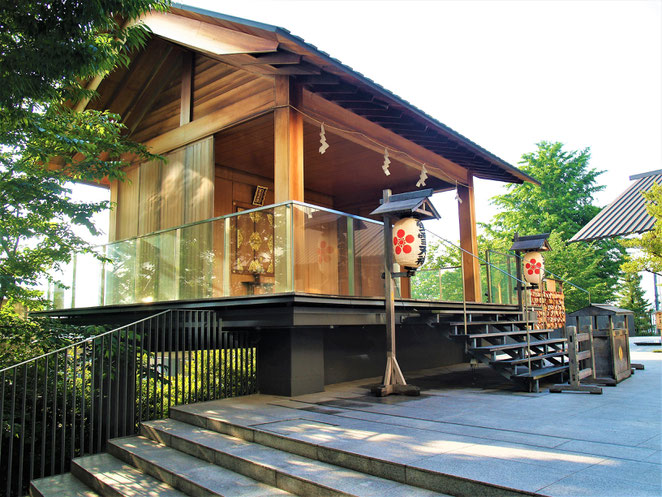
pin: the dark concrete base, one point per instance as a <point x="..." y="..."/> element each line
<point x="291" y="362"/>
<point x="299" y="360"/>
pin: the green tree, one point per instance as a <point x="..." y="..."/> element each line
<point x="560" y="205"/>
<point x="648" y="247"/>
<point x="48" y="51"/>
<point x="631" y="297"/>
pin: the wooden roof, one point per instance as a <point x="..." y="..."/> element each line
<point x="269" y="50"/>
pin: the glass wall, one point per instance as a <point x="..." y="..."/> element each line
<point x="289" y="247"/>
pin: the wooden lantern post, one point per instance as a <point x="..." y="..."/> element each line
<point x="412" y="204"/>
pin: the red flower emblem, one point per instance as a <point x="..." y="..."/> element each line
<point x="324" y="252"/>
<point x="401" y="242"/>
<point x="533" y="266"/>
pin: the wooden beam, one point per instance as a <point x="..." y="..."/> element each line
<point x="222" y="118"/>
<point x="301" y="69"/>
<point x="288" y="141"/>
<point x="277" y="58"/>
<point x="325" y="111"/>
<point x="151" y="91"/>
<point x="469" y="242"/>
<point x="205" y="37"/>
<point x="186" y="102"/>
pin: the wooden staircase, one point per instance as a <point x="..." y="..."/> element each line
<point x="501" y="340"/>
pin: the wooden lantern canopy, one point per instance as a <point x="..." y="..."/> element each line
<point x="407" y="246"/>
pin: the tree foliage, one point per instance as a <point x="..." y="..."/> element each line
<point x="632" y="297"/>
<point x="48" y="51"/>
<point x="562" y="202"/>
<point x="560" y="205"/>
<point x="648" y="246"/>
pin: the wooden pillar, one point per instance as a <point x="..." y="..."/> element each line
<point x="469" y="242"/>
<point x="288" y="142"/>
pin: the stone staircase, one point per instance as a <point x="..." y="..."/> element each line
<point x="501" y="340"/>
<point x="192" y="455"/>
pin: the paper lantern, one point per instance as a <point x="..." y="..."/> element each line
<point x="534" y="267"/>
<point x="409" y="245"/>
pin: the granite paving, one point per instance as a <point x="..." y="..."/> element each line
<point x="476" y="426"/>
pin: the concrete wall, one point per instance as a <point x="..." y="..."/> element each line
<point x="351" y="353"/>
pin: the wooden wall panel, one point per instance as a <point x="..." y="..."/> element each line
<point x="172" y="194"/>
<point x="160" y="195"/>
<point x="126" y="218"/>
<point x="199" y="181"/>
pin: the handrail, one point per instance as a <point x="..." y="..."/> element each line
<point x="549" y="272"/>
<point x="70" y="402"/>
<point x="236" y="214"/>
<point x="81" y="342"/>
<point x="524" y="310"/>
<point x="476" y="256"/>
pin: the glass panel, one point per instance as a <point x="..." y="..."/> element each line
<point x="87" y="288"/>
<point x="320" y="252"/>
<point x="368" y="258"/>
<point x="253" y="263"/>
<point x="120" y="273"/>
<point x="196" y="260"/>
<point x="502" y="285"/>
<point x="61" y="294"/>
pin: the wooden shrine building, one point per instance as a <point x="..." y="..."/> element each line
<point x="253" y="216"/>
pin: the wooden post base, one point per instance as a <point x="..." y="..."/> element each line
<point x="384" y="390"/>
<point x="394" y="381"/>
<point x="566" y="387"/>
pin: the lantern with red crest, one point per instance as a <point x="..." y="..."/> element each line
<point x="534" y="268"/>
<point x="533" y="264"/>
<point x="409" y="245"/>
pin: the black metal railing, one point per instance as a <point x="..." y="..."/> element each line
<point x="69" y="402"/>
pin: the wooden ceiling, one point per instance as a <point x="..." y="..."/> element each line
<point x="349" y="173"/>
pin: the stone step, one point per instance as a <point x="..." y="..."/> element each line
<point x="114" y="478"/>
<point x="190" y="475"/>
<point x="66" y="485"/>
<point x="291" y="472"/>
<point x="203" y="416"/>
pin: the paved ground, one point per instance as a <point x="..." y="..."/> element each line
<point x="566" y="444"/>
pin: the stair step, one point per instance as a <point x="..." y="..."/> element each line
<point x="518" y="345"/>
<point x="186" y="473"/>
<point x="513" y="362"/>
<point x="110" y="476"/>
<point x="65" y="485"/>
<point x="294" y="473"/>
<point x="438" y="483"/>
<point x="541" y="373"/>
<point x="483" y="323"/>
<point x="505" y="333"/>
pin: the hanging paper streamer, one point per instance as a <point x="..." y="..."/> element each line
<point x="422" y="177"/>
<point x="387" y="161"/>
<point x="457" y="195"/>
<point x="323" y="144"/>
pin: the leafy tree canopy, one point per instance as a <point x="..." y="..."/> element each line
<point x="563" y="202"/>
<point x="632" y="297"/>
<point x="648" y="246"/>
<point x="560" y="205"/>
<point x="48" y="51"/>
